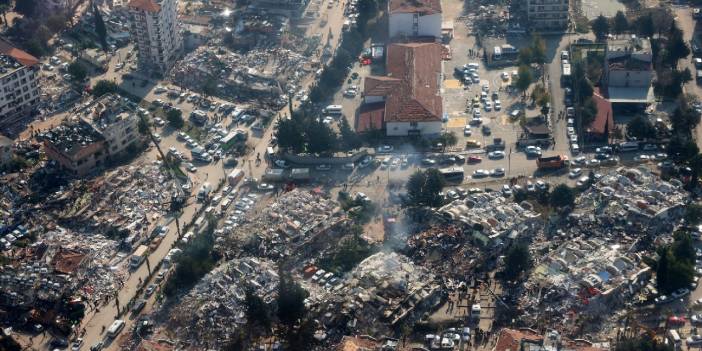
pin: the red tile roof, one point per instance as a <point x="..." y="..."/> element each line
<point x="17" y="54"/>
<point x="510" y="339"/>
<point x="379" y="86"/>
<point x="370" y="117"/>
<point x="145" y="5"/>
<point x="423" y="7"/>
<point x="604" y="121"/>
<point x="66" y="261"/>
<point x="411" y="88"/>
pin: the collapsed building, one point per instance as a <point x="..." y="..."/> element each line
<point x="213" y="310"/>
<point x="382" y="291"/>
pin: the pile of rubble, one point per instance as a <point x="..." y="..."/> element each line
<point x="289" y="225"/>
<point x="254" y="77"/>
<point x="491" y="218"/>
<point x="213" y="310"/>
<point x="383" y="290"/>
<point x="632" y="195"/>
<point x="129" y="198"/>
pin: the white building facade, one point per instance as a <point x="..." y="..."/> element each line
<point x="156" y="33"/>
<point x="548" y="14"/>
<point x="19" y="85"/>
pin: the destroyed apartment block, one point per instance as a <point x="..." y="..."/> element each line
<point x="214" y="309"/>
<point x="491" y="218"/>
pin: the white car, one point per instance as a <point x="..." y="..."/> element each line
<point x="506" y="190"/>
<point x="476" y="112"/>
<point x="488" y="106"/>
<point x="467" y="131"/>
<point x="571" y="131"/>
<point x="479" y="173"/>
<point x="504" y="76"/>
<point x="159" y="89"/>
<point x="498" y="105"/>
<point x="574" y="173"/>
<point x="496" y="154"/>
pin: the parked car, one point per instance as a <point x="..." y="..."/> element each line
<point x="498" y="172"/>
<point x="480" y="173"/>
<point x="496" y="154"/>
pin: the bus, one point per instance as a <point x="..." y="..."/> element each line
<point x="452" y="174"/>
<point x="333" y="110"/>
<point x="115" y="328"/>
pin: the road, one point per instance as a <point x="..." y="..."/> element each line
<point x="687" y="25"/>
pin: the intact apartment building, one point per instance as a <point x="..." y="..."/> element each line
<point x="546" y="15"/>
<point x="105" y="129"/>
<point x="628" y="71"/>
<point x="406" y="102"/>
<point x="156" y="33"/>
<point x="414" y="18"/>
<point x="19" y="86"/>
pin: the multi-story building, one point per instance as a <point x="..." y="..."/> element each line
<point x="106" y="128"/>
<point x="628" y="71"/>
<point x="155" y="30"/>
<point x="117" y="124"/>
<point x="407" y="100"/>
<point x="547" y="15"/>
<point x="5" y="150"/>
<point x="414" y="18"/>
<point x="19" y="87"/>
<point x="76" y="147"/>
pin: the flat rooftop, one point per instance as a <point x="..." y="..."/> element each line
<point x="71" y="137"/>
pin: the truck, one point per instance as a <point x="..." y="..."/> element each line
<point x="204" y="191"/>
<point x="552" y="162"/>
<point x="235" y="176"/>
<point x="138" y="257"/>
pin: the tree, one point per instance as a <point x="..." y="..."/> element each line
<point x="588" y="111"/>
<point x="538" y="49"/>
<point x="209" y="87"/>
<point x="423" y="188"/>
<point x="642" y="342"/>
<point x="26" y="8"/>
<point x="524" y="79"/>
<point x="447" y="139"/>
<point x="103" y="87"/>
<point x="175" y="118"/>
<point x="517" y="261"/>
<point x="525" y="56"/>
<point x="290" y="301"/>
<point x="100" y="28"/>
<point x="562" y="196"/>
<point x="349" y="138"/>
<point x="320" y="138"/>
<point x="682" y="148"/>
<point x="621" y="24"/>
<point x="600" y="26"/>
<point x="683" y="247"/>
<point x="78" y="71"/>
<point x="289" y="135"/>
<point x="645" y="26"/>
<point x="676" y="48"/>
<point x="693" y="214"/>
<point x="641" y="128"/>
<point x="258" y="313"/>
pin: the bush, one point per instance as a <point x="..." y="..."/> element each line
<point x="103" y="87"/>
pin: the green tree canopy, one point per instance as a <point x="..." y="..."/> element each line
<point x="100" y="28"/>
<point x="258" y="313"/>
<point x="349" y="138"/>
<point x="621" y="24"/>
<point x="641" y="128"/>
<point x="103" y="87"/>
<point x="320" y="138"/>
<point x="423" y="188"/>
<point x="78" y="70"/>
<point x="562" y="196"/>
<point x="642" y="343"/>
<point x="27" y="8"/>
<point x="693" y="214"/>
<point x="517" y="261"/>
<point x="600" y="26"/>
<point x="524" y="79"/>
<point x="289" y="135"/>
<point x="175" y="118"/>
<point x="290" y="301"/>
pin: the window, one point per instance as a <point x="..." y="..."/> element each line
<point x="414" y="124"/>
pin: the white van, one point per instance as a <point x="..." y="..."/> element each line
<point x="629" y="146"/>
<point x="115" y="328"/>
<point x="333" y="110"/>
<point x="674" y="338"/>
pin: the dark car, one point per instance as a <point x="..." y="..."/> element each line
<point x="59" y="343"/>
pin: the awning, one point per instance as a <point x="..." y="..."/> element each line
<point x="630" y="94"/>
